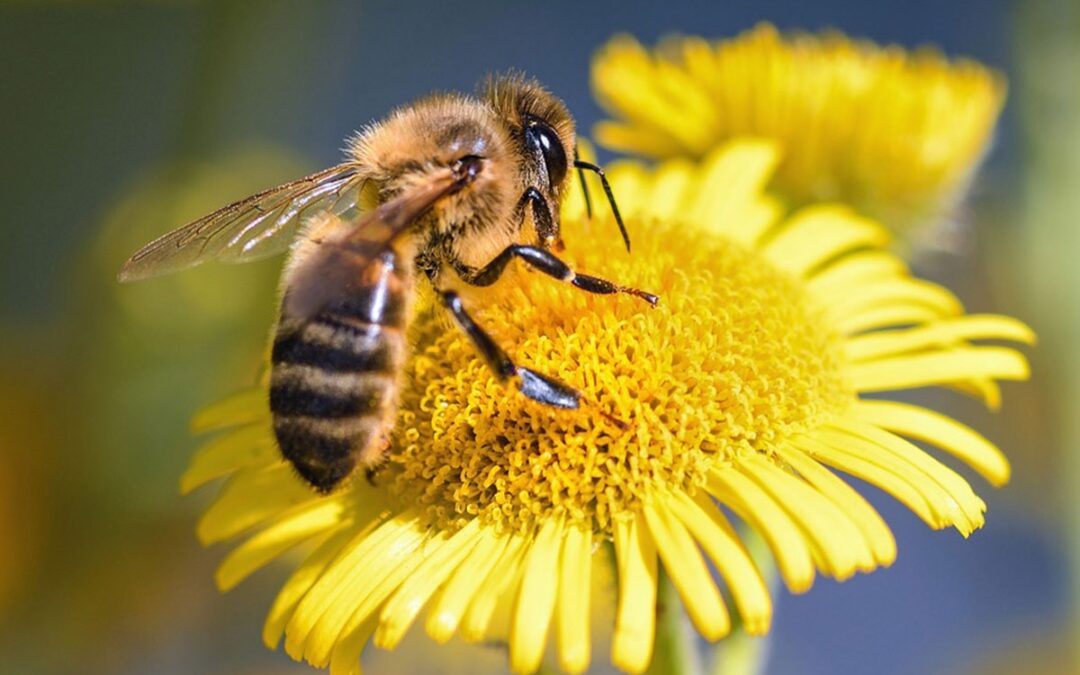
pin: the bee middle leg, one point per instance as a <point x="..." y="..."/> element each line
<point x="551" y="265"/>
<point x="538" y="387"/>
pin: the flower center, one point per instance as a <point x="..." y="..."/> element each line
<point x="734" y="360"/>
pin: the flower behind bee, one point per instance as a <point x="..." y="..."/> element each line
<point x="897" y="135"/>
<point x="743" y="394"/>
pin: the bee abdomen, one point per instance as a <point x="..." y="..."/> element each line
<point x="332" y="393"/>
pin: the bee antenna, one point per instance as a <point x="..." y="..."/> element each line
<point x="584" y="185"/>
<point x="589" y="166"/>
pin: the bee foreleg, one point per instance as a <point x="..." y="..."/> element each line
<point x="548" y="263"/>
<point x="536" y="386"/>
<point x="546" y="229"/>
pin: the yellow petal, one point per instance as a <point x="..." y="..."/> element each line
<point x="873" y="527"/>
<point x="938" y="334"/>
<point x="837" y="540"/>
<point x="364" y="566"/>
<point x="345" y="659"/>
<point x="246" y="447"/>
<point x="450" y="605"/>
<point x="856" y="268"/>
<point x="844" y="454"/>
<point x="635" y="619"/>
<point x="815" y="234"/>
<point x="688" y="573"/>
<point x="241" y="408"/>
<point x="305" y="576"/>
<point x="717" y="537"/>
<point x="536" y="599"/>
<point x="940" y="430"/>
<point x="400" y="611"/>
<point x="935" y="368"/>
<point x="758" y="508"/>
<point x="902" y="292"/>
<point x="572" y="610"/>
<point x="474" y="626"/>
<point x="250" y="497"/>
<point x="298" y="525"/>
<point x="894" y="314"/>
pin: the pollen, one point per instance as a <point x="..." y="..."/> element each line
<point x="735" y="358"/>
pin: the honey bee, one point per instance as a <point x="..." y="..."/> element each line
<point x="451" y="184"/>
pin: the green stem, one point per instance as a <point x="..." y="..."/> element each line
<point x="674" y="652"/>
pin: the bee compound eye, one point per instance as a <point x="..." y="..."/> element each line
<point x="541" y="137"/>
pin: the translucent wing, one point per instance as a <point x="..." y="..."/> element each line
<point x="252" y="228"/>
<point x="334" y="271"/>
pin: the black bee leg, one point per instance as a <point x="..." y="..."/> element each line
<point x="548" y="263"/>
<point x="536" y="386"/>
<point x="546" y="227"/>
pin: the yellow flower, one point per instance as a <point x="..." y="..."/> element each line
<point x="741" y="390"/>
<point x="897" y="135"/>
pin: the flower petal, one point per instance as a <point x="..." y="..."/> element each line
<point x="717" y="537"/>
<point x="635" y="619"/>
<point x="878" y="535"/>
<point x="400" y="611"/>
<point x="937" y="429"/>
<point x="451" y="603"/>
<point x="935" y="368"/>
<point x="572" y="610"/>
<point x="536" y="599"/>
<point x="298" y="525"/>
<point x="688" y="572"/>
<point x="760" y="510"/>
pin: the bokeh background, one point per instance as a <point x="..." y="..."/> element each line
<point x="120" y="120"/>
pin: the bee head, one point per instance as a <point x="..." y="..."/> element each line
<point x="541" y="127"/>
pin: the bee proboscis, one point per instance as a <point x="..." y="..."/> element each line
<point x="458" y="185"/>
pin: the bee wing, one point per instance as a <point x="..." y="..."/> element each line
<point x="252" y="228"/>
<point x="334" y="271"/>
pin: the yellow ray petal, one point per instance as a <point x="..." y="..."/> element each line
<point x="332" y="601"/>
<point x="717" y="537"/>
<point x="671" y="185"/>
<point x="400" y="611"/>
<point x="245" y="447"/>
<point x="536" y="599"/>
<point x="818" y="233"/>
<point x="940" y="430"/>
<point x="298" y="525"/>
<point x="838" y="541"/>
<point x="688" y="572"/>
<point x="572" y="610"/>
<point x="450" y="605"/>
<point x="873" y="527"/>
<point x="240" y="408"/>
<point x="730" y="188"/>
<point x="857" y="268"/>
<point x="895" y="314"/>
<point x="903" y="292"/>
<point x="474" y="625"/>
<point x="937" y="334"/>
<point x="635" y="619"/>
<point x="345" y="659"/>
<point x="303" y="579"/>
<point x="935" y="368"/>
<point x="843" y="454"/>
<point x="961" y="506"/>
<point x="780" y="532"/>
<point x="250" y="497"/>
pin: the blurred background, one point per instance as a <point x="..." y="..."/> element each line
<point x="121" y="120"/>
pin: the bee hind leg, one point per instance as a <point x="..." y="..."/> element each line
<point x="537" y="386"/>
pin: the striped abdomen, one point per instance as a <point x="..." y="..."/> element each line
<point x="334" y="380"/>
